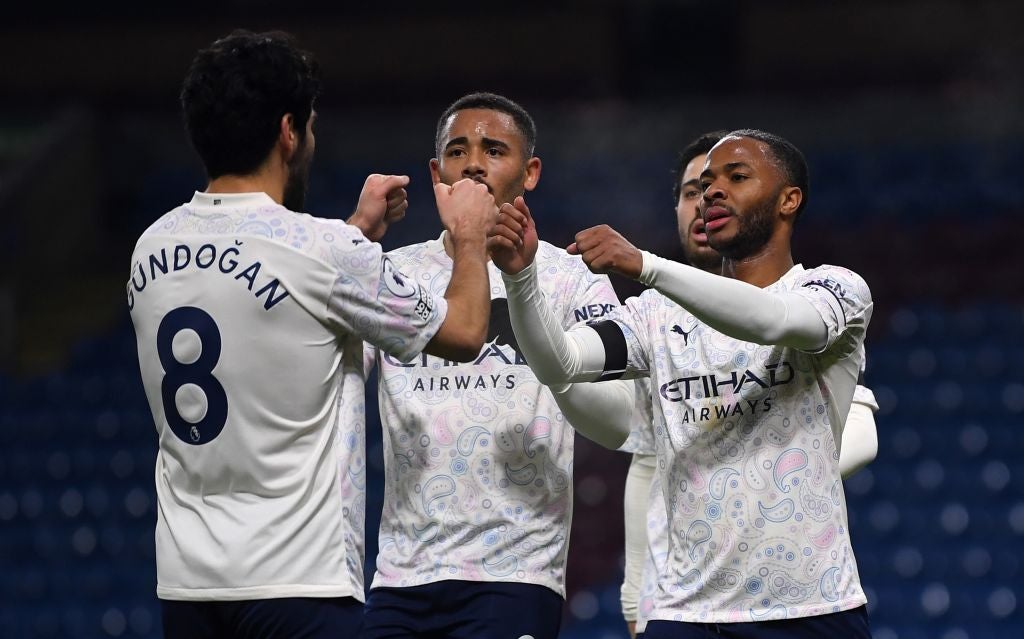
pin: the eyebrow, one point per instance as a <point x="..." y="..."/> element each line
<point x="731" y="166"/>
<point x="486" y="141"/>
<point x="694" y="182"/>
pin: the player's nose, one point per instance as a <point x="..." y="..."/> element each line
<point x="714" y="191"/>
<point x="475" y="167"/>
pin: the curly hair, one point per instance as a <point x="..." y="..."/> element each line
<point x="236" y="92"/>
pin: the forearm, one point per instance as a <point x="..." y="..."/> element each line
<point x="556" y="357"/>
<point x="637" y="495"/>
<point x="464" y="330"/>
<point x="859" y="441"/>
<point x="738" y="309"/>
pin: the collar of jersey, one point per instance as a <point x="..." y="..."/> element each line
<point x="437" y="246"/>
<point x="232" y="199"/>
<point x="789" y="276"/>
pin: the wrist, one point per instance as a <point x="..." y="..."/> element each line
<point x="517" y="279"/>
<point x="649" y="270"/>
<point x="467" y="242"/>
<point x="358" y="221"/>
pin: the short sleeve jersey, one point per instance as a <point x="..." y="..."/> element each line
<point x="478" y="457"/>
<point x="747" y="457"/>
<point x="249" y="320"/>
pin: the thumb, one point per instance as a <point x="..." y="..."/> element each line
<point x="441" y="191"/>
<point x="392" y="182"/>
<point x="572" y="249"/>
<point x="520" y="203"/>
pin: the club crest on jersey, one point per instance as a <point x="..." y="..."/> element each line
<point x="398" y="283"/>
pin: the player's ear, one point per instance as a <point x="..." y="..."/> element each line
<point x="435" y="171"/>
<point x="288" y="137"/>
<point x="790" y="200"/>
<point x="532" y="173"/>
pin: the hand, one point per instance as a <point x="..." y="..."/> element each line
<point x="513" y="241"/>
<point x="605" y="251"/>
<point x="466" y="208"/>
<point x="382" y="202"/>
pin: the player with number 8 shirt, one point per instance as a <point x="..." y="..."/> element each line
<point x="250" y="319"/>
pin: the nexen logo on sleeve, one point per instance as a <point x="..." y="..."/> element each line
<point x="592" y="311"/>
<point x="830" y="285"/>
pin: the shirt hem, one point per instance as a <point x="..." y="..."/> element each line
<point x="383" y="583"/>
<point x="257" y="592"/>
<point x="729" y="617"/>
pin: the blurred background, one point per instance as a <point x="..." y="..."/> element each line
<point x="910" y="114"/>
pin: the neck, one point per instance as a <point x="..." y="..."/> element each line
<point x="265" y="180"/>
<point x="763" y="268"/>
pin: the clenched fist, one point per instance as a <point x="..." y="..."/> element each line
<point x="604" y="250"/>
<point x="382" y="202"/>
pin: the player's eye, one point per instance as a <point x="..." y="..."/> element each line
<point x="738" y="177"/>
<point x="494" y="152"/>
<point x="456" y="153"/>
<point x="690" y="194"/>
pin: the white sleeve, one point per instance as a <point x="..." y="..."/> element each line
<point x="601" y="412"/>
<point x="738" y="309"/>
<point x="859" y="441"/>
<point x="637" y="494"/>
<point x="555" y="356"/>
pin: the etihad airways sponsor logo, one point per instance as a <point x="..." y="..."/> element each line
<point x="708" y="386"/>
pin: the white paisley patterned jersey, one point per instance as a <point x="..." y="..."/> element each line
<point x="249" y="320"/>
<point x="657" y="519"/>
<point x="748" y="470"/>
<point x="478" y="458"/>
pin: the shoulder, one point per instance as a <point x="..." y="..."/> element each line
<point x="549" y="255"/>
<point x="652" y="300"/>
<point x="838" y="280"/>
<point x="411" y="253"/>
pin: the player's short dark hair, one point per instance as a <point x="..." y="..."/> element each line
<point x="699" y="146"/>
<point x="236" y="92"/>
<point x="492" y="102"/>
<point x="788" y="158"/>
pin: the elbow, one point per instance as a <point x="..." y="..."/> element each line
<point x="465" y="352"/>
<point x="468" y="348"/>
<point x="549" y="378"/>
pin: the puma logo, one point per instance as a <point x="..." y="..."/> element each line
<point x="686" y="334"/>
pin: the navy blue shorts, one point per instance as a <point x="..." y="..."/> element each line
<point x="290" y="618"/>
<point x="463" y="610"/>
<point x="849" y="624"/>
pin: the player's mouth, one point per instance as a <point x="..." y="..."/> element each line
<point x="715" y="217"/>
<point x="697" y="232"/>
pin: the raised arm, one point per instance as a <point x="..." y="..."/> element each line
<point x="467" y="211"/>
<point x="601" y="412"/>
<point x="738" y="309"/>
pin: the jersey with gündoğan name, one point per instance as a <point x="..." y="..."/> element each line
<point x="249" y="321"/>
<point x="747" y="464"/>
<point x="478" y="457"/>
